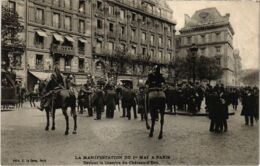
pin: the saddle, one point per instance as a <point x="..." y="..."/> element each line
<point x="156" y="93"/>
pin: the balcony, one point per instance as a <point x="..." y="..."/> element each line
<point x="39" y="67"/>
<point x="67" y="68"/>
<point x="59" y="49"/>
<point x="39" y="21"/>
<point x="134" y="23"/>
<point x="123" y="37"/>
<point x="39" y="45"/>
<point x="111" y="35"/>
<point x="99" y="13"/>
<point x="99" y="32"/>
<point x="81" y="51"/>
<point x="81" y="70"/>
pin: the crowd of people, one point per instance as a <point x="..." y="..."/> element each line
<point x="185" y="96"/>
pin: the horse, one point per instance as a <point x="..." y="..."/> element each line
<point x="32" y="97"/>
<point x="61" y="98"/>
<point x="155" y="101"/>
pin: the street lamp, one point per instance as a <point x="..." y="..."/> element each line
<point x="193" y="50"/>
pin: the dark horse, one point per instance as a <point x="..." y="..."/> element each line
<point x="60" y="99"/>
<point x="155" y="103"/>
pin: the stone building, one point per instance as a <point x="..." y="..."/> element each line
<point x="57" y="32"/>
<point x="130" y="36"/>
<point x="213" y="35"/>
<point x="238" y="67"/>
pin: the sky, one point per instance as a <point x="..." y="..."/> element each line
<point x="244" y="18"/>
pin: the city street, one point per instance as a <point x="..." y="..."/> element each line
<point x="186" y="140"/>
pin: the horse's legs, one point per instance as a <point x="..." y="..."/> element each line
<point x="153" y="117"/>
<point x="162" y="122"/>
<point x="48" y="119"/>
<point x="64" y="111"/>
<point x="53" y="119"/>
<point x="74" y="114"/>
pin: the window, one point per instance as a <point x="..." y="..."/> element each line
<point x="99" y="5"/>
<point x="160" y="55"/>
<point x="81" y="26"/>
<point x="133" y="34"/>
<point x="39" y="60"/>
<point x="218" y="49"/>
<point x="56" y="2"/>
<point x="110" y="47"/>
<point x="160" y="41"/>
<point x="56" y="20"/>
<point x="17" y="60"/>
<point x="152" y="53"/>
<point x="122" y="46"/>
<point x="81" y="47"/>
<point x="169" y="57"/>
<point x="152" y="39"/>
<point x="143" y="19"/>
<point x="99" y="24"/>
<point x="39" y="41"/>
<point x="144" y="51"/>
<point x="67" y="64"/>
<point x="111" y="27"/>
<point x="67" y="23"/>
<point x="12" y="6"/>
<point x="133" y="50"/>
<point x="82" y="6"/>
<point x="133" y="16"/>
<point x="218" y="36"/>
<point x="110" y="10"/>
<point x="81" y="64"/>
<point x="39" y="16"/>
<point x="122" y="14"/>
<point x="203" y="38"/>
<point x="188" y="40"/>
<point x="143" y="37"/>
<point x="67" y="4"/>
<point x="122" y="30"/>
<point x="98" y="46"/>
<point x="202" y="51"/>
<point x="169" y="43"/>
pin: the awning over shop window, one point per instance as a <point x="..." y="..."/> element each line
<point x="58" y="37"/>
<point x="41" y="75"/>
<point x="82" y="40"/>
<point x="69" y="38"/>
<point x="41" y="33"/>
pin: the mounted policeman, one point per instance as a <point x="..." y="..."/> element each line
<point x="155" y="99"/>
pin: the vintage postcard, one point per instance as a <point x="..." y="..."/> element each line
<point x="130" y="82"/>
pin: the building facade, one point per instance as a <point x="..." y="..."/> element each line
<point x="130" y="36"/>
<point x="57" y="32"/>
<point x="213" y="35"/>
<point x="238" y="67"/>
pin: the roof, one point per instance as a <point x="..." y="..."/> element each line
<point x="206" y="17"/>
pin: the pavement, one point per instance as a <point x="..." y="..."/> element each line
<point x="186" y="140"/>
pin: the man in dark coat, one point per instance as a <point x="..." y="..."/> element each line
<point x="141" y="102"/>
<point x="224" y="102"/>
<point x="248" y="106"/>
<point x="98" y="101"/>
<point x="129" y="98"/>
<point x="171" y="97"/>
<point x="111" y="99"/>
<point x="213" y="105"/>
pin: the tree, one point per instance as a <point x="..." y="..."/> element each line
<point x="11" y="27"/>
<point x="207" y="68"/>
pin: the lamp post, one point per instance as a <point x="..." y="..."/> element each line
<point x="193" y="50"/>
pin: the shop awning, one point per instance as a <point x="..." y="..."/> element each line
<point x="41" y="33"/>
<point x="82" y="40"/>
<point x="58" y="37"/>
<point x="41" y="75"/>
<point x="69" y="39"/>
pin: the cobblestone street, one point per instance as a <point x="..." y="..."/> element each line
<point x="186" y="140"/>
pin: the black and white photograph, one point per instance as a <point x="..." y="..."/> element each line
<point x="130" y="82"/>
